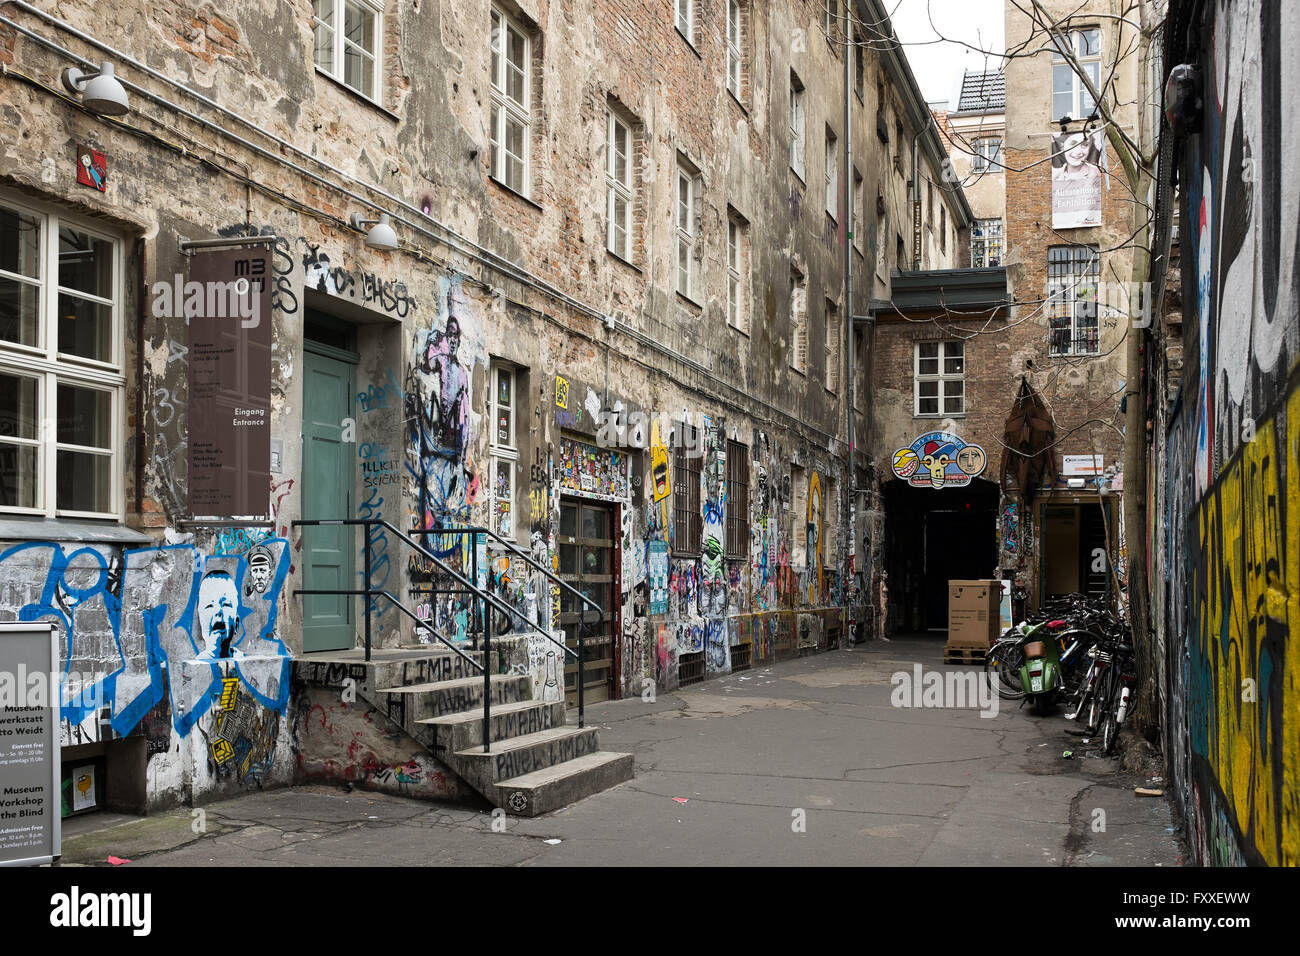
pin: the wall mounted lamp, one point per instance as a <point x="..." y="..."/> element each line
<point x="381" y="236"/>
<point x="100" y="90"/>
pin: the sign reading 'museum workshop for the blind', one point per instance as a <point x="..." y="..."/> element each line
<point x="30" y="812"/>
<point x="228" y="303"/>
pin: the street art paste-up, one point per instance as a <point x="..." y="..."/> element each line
<point x="939" y="460"/>
<point x="596" y="472"/>
<point x="657" y="561"/>
<point x="200" y="621"/>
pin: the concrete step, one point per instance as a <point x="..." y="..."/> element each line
<point x="517" y="756"/>
<point x="551" y="788"/>
<point x="465" y="730"/>
<point x="437" y="666"/>
<point x="412" y="703"/>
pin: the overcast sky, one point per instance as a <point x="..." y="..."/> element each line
<point x="939" y="65"/>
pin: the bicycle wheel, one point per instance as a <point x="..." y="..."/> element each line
<point x="1002" y="669"/>
<point x="1110" y="722"/>
<point x="1100" y="696"/>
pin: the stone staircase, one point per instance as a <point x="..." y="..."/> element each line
<point x="538" y="761"/>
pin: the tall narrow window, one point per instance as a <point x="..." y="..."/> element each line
<point x="1069" y="96"/>
<point x="798" y="322"/>
<point x="832" y="346"/>
<point x="511" y="92"/>
<point x="735" y="63"/>
<point x="832" y="176"/>
<point x="832" y="8"/>
<point x="737" y="271"/>
<point x="347" y="36"/>
<point x="986" y="155"/>
<point x="618" y="185"/>
<point x="687" y="188"/>
<point x="1072" y="274"/>
<point x="505" y="450"/>
<point x="688" y="519"/>
<point x="859" y="63"/>
<point x="859" y="223"/>
<point x="737" y="500"/>
<point x="940" y="379"/>
<point x="796" y="127"/>
<point x="943" y="228"/>
<point x="684" y="19"/>
<point x="61" y="377"/>
<point x="799" y="516"/>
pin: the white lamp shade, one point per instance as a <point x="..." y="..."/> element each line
<point x="103" y="94"/>
<point x="382" y="236"/>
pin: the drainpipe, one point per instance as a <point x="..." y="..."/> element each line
<point x="847" y="332"/>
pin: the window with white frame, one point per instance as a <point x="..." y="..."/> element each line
<point x="688" y="186"/>
<point x="797" y="149"/>
<point x="832" y="346"/>
<point x="832" y="176"/>
<point x="511" y="95"/>
<point x="1069" y="96"/>
<point x="859" y="223"/>
<point x="798" y="322"/>
<point x="684" y="19"/>
<point x="347" y="35"/>
<point x="986" y="243"/>
<point x="737" y="269"/>
<point x="618" y="185"/>
<point x="735" y="62"/>
<point x="61" y="380"/>
<point x="505" y="450"/>
<point x="940" y="378"/>
<point x="986" y="155"/>
<point x="1072" y="276"/>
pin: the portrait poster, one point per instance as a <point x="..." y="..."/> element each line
<point x="1077" y="168"/>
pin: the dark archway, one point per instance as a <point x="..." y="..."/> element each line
<point x="933" y="537"/>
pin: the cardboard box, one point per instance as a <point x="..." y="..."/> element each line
<point x="974" y="613"/>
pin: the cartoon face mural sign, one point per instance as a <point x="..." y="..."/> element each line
<point x="939" y="460"/>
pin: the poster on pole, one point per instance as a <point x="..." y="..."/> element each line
<point x="1077" y="160"/>
<point x="228" y="306"/>
<point x="31" y="815"/>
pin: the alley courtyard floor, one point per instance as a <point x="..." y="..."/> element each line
<point x="805" y="762"/>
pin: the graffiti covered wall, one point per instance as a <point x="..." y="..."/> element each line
<point x="1234" y="479"/>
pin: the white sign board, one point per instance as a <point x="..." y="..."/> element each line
<point x="30" y="775"/>
<point x="1072" y="466"/>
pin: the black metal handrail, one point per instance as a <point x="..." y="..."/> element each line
<point x="485" y="598"/>
<point x="550" y="576"/>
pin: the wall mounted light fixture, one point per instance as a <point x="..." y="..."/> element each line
<point x="381" y="236"/>
<point x="100" y="90"/>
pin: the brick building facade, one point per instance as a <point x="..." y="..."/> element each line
<point x="618" y="224"/>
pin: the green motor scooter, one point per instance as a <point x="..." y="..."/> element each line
<point x="1040" y="674"/>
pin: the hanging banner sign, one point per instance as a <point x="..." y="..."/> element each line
<point x="939" y="460"/>
<point x="228" y="305"/>
<point x="1076" y="179"/>
<point x="30" y="774"/>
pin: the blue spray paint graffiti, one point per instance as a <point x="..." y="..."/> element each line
<point x="164" y="610"/>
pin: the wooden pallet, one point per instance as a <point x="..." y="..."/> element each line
<point x="965" y="654"/>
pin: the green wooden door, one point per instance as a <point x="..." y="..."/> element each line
<point x="327" y="493"/>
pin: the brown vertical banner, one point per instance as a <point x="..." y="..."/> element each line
<point x="228" y="306"/>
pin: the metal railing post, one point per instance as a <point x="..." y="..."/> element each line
<point x="582" y="677"/>
<point x="369" y="599"/>
<point x="487" y="652"/>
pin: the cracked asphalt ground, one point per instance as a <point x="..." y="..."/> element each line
<point x="723" y="770"/>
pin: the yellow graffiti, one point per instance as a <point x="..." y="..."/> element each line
<point x="660" y="479"/>
<point x="222" y="750"/>
<point x="561" y="392"/>
<point x="229" y="693"/>
<point x="1248" y="609"/>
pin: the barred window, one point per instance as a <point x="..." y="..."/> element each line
<point x="688" y="519"/>
<point x="1072" y="275"/>
<point x="737" y="499"/>
<point x="986" y="243"/>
